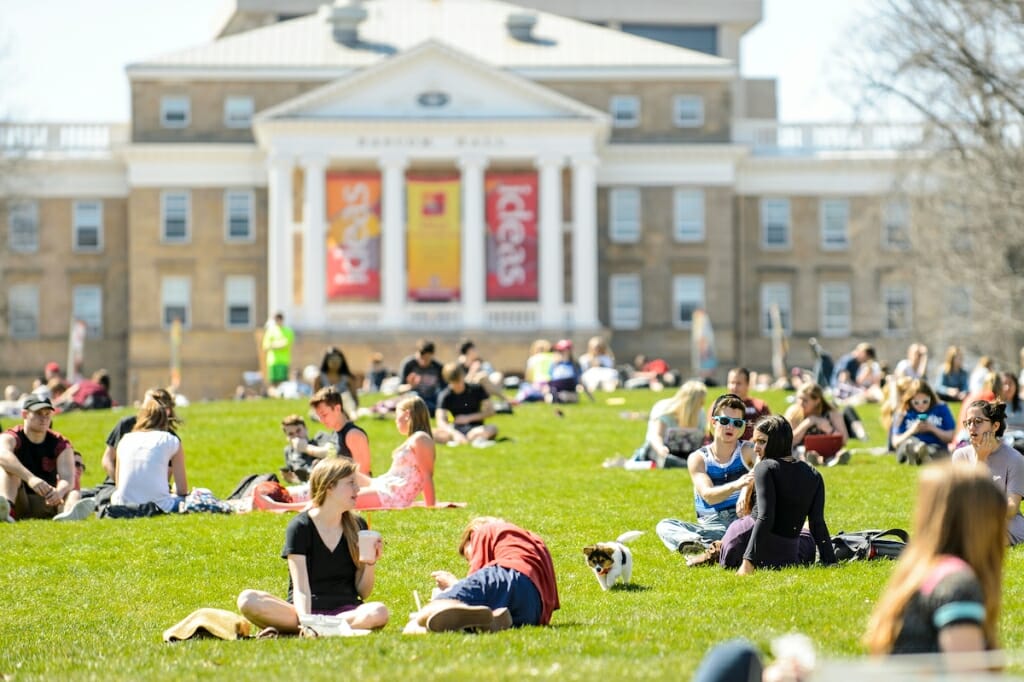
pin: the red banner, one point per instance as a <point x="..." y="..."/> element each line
<point x="353" y="236"/>
<point x="511" y="236"/>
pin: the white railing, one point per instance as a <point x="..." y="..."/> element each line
<point x="770" y="137"/>
<point x="33" y="139"/>
<point x="438" y="316"/>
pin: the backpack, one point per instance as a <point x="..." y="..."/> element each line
<point x="247" y="484"/>
<point x="869" y="544"/>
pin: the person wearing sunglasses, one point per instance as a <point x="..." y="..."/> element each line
<point x="985" y="422"/>
<point x="719" y="471"/>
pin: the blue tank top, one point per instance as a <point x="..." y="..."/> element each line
<point x="720" y="473"/>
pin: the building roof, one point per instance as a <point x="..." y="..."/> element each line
<point x="476" y="27"/>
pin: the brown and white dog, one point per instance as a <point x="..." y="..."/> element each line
<point x="612" y="561"/>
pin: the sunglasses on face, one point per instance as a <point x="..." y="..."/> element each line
<point x="726" y="421"/>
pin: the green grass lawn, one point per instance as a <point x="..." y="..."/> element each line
<point x="90" y="599"/>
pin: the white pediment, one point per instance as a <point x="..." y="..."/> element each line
<point x="432" y="81"/>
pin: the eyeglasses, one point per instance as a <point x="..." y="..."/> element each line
<point x="725" y="421"/>
<point x="977" y="421"/>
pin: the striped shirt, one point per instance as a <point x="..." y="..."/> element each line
<point x="720" y="473"/>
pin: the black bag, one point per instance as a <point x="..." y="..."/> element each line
<point x="869" y="544"/>
<point x="681" y="442"/>
<point x="130" y="511"/>
<point x="246" y="485"/>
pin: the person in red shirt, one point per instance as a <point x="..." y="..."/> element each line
<point x="511" y="582"/>
<point x="37" y="465"/>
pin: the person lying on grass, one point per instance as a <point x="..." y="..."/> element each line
<point x="325" y="575"/>
<point x="412" y="463"/>
<point x="511" y="583"/>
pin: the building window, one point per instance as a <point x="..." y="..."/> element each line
<point x="87" y="230"/>
<point x="238" y="112"/>
<point x="896" y="226"/>
<point x="624" y="219"/>
<point x="23" y="226"/>
<point x="688" y="214"/>
<point x="835" y="309"/>
<point x="175" y="217"/>
<point x="87" y="306"/>
<point x="835" y="224"/>
<point x="175" y="111"/>
<point x="898" y="314"/>
<point x="688" y="111"/>
<point x="775" y="223"/>
<point x="23" y="311"/>
<point x="625" y="110"/>
<point x="239" y="300"/>
<point x="238" y="210"/>
<point x="176" y="301"/>
<point x="780" y="294"/>
<point x="625" y="301"/>
<point x="687" y="296"/>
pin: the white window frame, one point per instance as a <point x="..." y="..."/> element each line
<point x="836" y="310"/>
<point x="897" y="294"/>
<point x="771" y="205"/>
<point x="625" y="301"/>
<point x="87" y="306"/>
<point x="896" y="221"/>
<point x="688" y="215"/>
<point x="690" y="104"/>
<point x="176" y="291"/>
<point x="683" y="289"/>
<point x="23" y="311"/>
<point x="238" y="111"/>
<point x="625" y="104"/>
<point x="834" y="216"/>
<point x="239" y="292"/>
<point x="248" y="196"/>
<point x="165" y="197"/>
<point x="624" y="229"/>
<point x="781" y="293"/>
<point x="174" y="104"/>
<point x="78" y="224"/>
<point x="23" y="226"/>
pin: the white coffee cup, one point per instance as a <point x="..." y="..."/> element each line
<point x="368" y="540"/>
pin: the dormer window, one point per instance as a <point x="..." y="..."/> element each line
<point x="175" y="111"/>
<point x="625" y="111"/>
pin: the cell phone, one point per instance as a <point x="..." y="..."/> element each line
<point x="922" y="417"/>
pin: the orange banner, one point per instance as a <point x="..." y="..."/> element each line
<point x="433" y="251"/>
<point x="353" y="236"/>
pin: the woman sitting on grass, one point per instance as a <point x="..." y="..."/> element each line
<point x="813" y="414"/>
<point x="142" y="459"/>
<point x="325" y="575"/>
<point x="923" y="427"/>
<point x="412" y="463"/>
<point x="787" y="492"/>
<point x="944" y="593"/>
<point x="673" y="420"/>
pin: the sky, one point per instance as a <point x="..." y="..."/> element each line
<point x="64" y="60"/>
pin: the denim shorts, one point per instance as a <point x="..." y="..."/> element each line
<point x="496" y="587"/>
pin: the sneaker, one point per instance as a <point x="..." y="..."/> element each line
<point x="80" y="511"/>
<point x="707" y="557"/>
<point x="843" y="458"/>
<point x="461" y="618"/>
<point x="812" y="457"/>
<point x="614" y="463"/>
<point x="691" y="547"/>
<point x="502" y="619"/>
<point x="482" y="443"/>
<point x="5" y="510"/>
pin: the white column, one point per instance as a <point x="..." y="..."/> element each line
<point x="552" y="288"/>
<point x="584" y="241"/>
<point x="314" y="240"/>
<point x="279" y="235"/>
<point x="474" y="252"/>
<point x="393" y="281"/>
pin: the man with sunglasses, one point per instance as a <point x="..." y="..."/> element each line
<point x="719" y="472"/>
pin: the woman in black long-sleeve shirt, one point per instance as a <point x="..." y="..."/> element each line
<point x="787" y="493"/>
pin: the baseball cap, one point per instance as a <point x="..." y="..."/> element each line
<point x="52" y="367"/>
<point x="34" y="403"/>
<point x="564" y="344"/>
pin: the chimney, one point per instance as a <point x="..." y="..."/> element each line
<point x="345" y="20"/>
<point x="520" y="25"/>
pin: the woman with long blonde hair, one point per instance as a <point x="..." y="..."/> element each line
<point x="813" y="414"/>
<point x="325" y="575"/>
<point x="944" y="594"/>
<point x="677" y="423"/>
